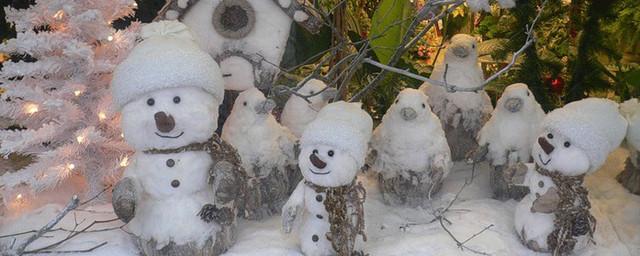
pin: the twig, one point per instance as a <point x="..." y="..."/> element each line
<point x="73" y="251"/>
<point x="73" y="203"/>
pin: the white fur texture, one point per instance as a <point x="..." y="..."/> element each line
<point x="459" y="108"/>
<point x="195" y="118"/>
<point x="259" y="139"/>
<point x="507" y="131"/>
<point x="594" y="126"/>
<point x="414" y="145"/>
<point x="166" y="58"/>
<point x="340" y="126"/>
<point x="297" y="112"/>
<point x="266" y="40"/>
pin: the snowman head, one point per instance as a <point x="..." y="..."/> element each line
<point x="517" y="99"/>
<point x="251" y="106"/>
<point x="333" y="146"/>
<point x="168" y="89"/>
<point x="578" y="137"/>
<point x="462" y="49"/>
<point x="411" y="106"/>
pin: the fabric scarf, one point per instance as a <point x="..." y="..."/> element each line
<point x="343" y="227"/>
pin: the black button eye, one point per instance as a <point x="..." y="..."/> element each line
<point x="424" y="106"/>
<point x="151" y="101"/>
<point x="528" y="94"/>
<point x="473" y="46"/>
<point x="550" y="136"/>
<point x="330" y="153"/>
<point x="397" y="101"/>
<point x="567" y="144"/>
<point x="311" y="92"/>
<point x="244" y="103"/>
<point x="315" y="151"/>
<point x="176" y="99"/>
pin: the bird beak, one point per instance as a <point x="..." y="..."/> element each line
<point x="329" y="94"/>
<point x="513" y="104"/>
<point x="265" y="107"/>
<point x="460" y="51"/>
<point x="408" y="114"/>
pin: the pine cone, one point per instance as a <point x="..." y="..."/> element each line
<point x="580" y="226"/>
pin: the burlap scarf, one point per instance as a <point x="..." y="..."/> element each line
<point x="572" y="217"/>
<point x="343" y="228"/>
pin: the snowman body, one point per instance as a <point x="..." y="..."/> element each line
<point x="333" y="149"/>
<point x="173" y="189"/>
<point x="409" y="151"/>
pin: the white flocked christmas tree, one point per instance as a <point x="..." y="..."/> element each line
<point x="59" y="93"/>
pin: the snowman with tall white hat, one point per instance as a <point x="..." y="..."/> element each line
<point x="576" y="140"/>
<point x="333" y="149"/>
<point x="179" y="193"/>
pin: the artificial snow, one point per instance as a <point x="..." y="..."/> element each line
<point x="395" y="230"/>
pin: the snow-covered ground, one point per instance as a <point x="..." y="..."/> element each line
<point x="395" y="230"/>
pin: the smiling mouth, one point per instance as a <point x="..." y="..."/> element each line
<point x="319" y="173"/>
<point x="542" y="161"/>
<point x="169" y="137"/>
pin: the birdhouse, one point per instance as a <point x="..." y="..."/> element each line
<point x="246" y="37"/>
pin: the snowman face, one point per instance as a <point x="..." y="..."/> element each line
<point x="170" y="118"/>
<point x="327" y="166"/>
<point x="411" y="105"/>
<point x="555" y="152"/>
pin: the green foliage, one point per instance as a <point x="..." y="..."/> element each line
<point x="388" y="25"/>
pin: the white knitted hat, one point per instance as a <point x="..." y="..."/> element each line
<point x="593" y="125"/>
<point x="342" y="125"/>
<point x="168" y="57"/>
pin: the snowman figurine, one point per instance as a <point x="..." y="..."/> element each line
<point x="179" y="193"/>
<point x="333" y="149"/>
<point x="576" y="140"/>
<point x="409" y="151"/>
<point x="266" y="149"/>
<point x="508" y="135"/>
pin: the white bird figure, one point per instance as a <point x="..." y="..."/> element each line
<point x="333" y="149"/>
<point x="267" y="152"/>
<point x="509" y="134"/>
<point x="630" y="176"/>
<point x="297" y="112"/>
<point x="575" y="141"/>
<point x="409" y="150"/>
<point x="462" y="113"/>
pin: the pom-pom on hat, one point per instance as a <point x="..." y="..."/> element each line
<point x="593" y="125"/>
<point x="167" y="57"/>
<point x="342" y="125"/>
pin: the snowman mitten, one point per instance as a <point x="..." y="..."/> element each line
<point x="546" y="203"/>
<point x="222" y="216"/>
<point x="124" y="199"/>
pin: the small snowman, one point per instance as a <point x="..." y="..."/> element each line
<point x="576" y="140"/>
<point x="409" y="151"/>
<point x="463" y="113"/>
<point x="333" y="149"/>
<point x="508" y="136"/>
<point x="267" y="152"/>
<point x="630" y="176"/>
<point x="298" y="112"/>
<point x="179" y="193"/>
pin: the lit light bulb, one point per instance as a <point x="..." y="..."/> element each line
<point x="71" y="167"/>
<point x="80" y="139"/>
<point x="124" y="162"/>
<point x="31" y="108"/>
<point x="121" y="135"/>
<point x="77" y="92"/>
<point x="135" y="4"/>
<point x="19" y="197"/>
<point x="59" y="14"/>
<point x="102" y="116"/>
<point x="110" y="38"/>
